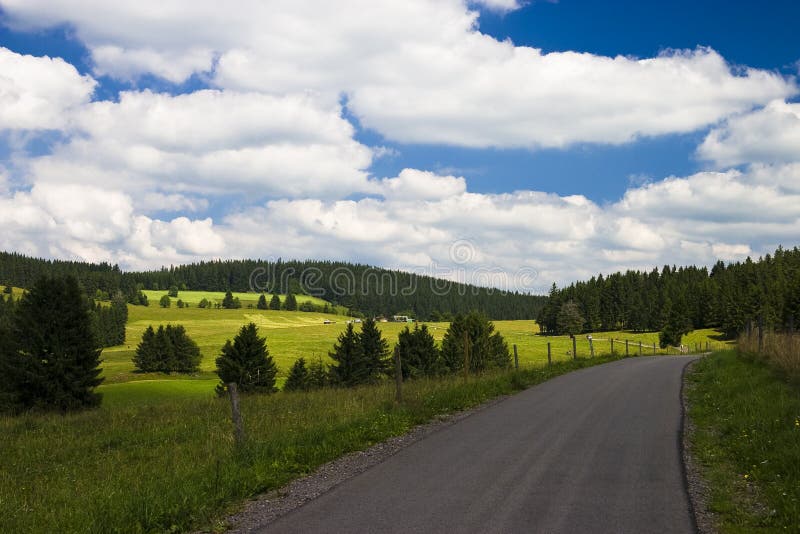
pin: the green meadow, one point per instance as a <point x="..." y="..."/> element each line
<point x="193" y="298"/>
<point x="292" y="335"/>
<point x="158" y="455"/>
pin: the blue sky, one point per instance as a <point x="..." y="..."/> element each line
<point x="386" y="133"/>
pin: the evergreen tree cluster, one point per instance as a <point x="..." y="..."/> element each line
<point x="365" y="290"/>
<point x="677" y="300"/>
<point x="109" y="321"/>
<point x="166" y="350"/>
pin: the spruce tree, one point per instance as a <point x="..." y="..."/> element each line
<point x="228" y="301"/>
<point x="275" y="302"/>
<point x="247" y="362"/>
<point x="146" y="355"/>
<point x="570" y="320"/>
<point x="374" y="349"/>
<point x="290" y="304"/>
<point x="165" y="301"/>
<point x="418" y="353"/>
<point x="349" y="368"/>
<point x="262" y="302"/>
<point x="487" y="348"/>
<point x="298" y="376"/>
<point x="52" y="356"/>
<point x="318" y="375"/>
<point x="167" y="350"/>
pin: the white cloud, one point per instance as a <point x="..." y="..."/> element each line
<point x="417" y="71"/>
<point x="494" y="238"/>
<point x="211" y="142"/>
<point x="39" y="92"/>
<point x="412" y="184"/>
<point x="94" y="224"/>
<point x="768" y="135"/>
<point x="498" y="5"/>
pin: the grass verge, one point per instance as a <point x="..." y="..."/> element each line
<point x="746" y="442"/>
<point x="172" y="466"/>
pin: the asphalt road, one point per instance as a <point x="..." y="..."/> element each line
<point x="596" y="450"/>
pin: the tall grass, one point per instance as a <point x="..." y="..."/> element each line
<point x="746" y="440"/>
<point x="171" y="465"/>
<point x="781" y="351"/>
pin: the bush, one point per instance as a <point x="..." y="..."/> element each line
<point x="167" y="350"/>
<point x="165" y="302"/>
<point x="203" y="303"/>
<point x="262" y="302"/>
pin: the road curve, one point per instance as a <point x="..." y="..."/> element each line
<point x="596" y="450"/>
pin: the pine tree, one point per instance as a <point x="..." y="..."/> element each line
<point x="298" y="376"/>
<point x="262" y="302"/>
<point x="247" y="362"/>
<point x="52" y="357"/>
<point x="228" y="301"/>
<point x="418" y="353"/>
<point x="290" y="304"/>
<point x="348" y="369"/>
<point x="275" y="302"/>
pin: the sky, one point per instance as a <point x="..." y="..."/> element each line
<point x="496" y="142"/>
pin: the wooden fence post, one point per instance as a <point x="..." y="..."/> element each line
<point x="236" y="414"/>
<point x="612" y="346"/>
<point x="654" y="349"/>
<point x="627" y="352"/>
<point x="706" y="346"/>
<point x="398" y="376"/>
<point x="549" y="357"/>
<point x="591" y="347"/>
<point x="466" y="355"/>
<point x="574" y="348"/>
<point x="640" y="348"/>
<point x="516" y="358"/>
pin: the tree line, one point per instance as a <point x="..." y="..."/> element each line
<point x="365" y="290"/>
<point x="681" y="299"/>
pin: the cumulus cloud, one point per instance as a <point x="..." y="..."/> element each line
<point x="447" y="83"/>
<point x="768" y="135"/>
<point x="210" y="142"/>
<point x="39" y="92"/>
<point x="95" y="224"/>
<point x="522" y="240"/>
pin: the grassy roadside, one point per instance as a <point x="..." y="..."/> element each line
<point x="746" y="442"/>
<point x="171" y="465"/>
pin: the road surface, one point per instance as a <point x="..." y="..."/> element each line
<point x="597" y="450"/>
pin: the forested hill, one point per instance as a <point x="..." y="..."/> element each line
<point x="726" y="297"/>
<point x="361" y="288"/>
